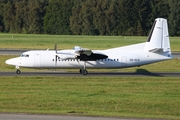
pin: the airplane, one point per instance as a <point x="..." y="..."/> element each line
<point x="155" y="49"/>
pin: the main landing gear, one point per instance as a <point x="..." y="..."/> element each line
<point x="83" y="70"/>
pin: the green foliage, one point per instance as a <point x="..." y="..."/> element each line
<point x="56" y="20"/>
<point x="9" y="16"/>
<point x="24" y="16"/>
<point x="87" y="17"/>
<point x="2" y="4"/>
<point x="174" y="17"/>
<point x="36" y="13"/>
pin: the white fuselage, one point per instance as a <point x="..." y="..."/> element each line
<point x="120" y="57"/>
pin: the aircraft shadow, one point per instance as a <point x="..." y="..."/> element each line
<point x="146" y="72"/>
<point x="139" y="72"/>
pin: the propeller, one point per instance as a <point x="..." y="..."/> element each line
<point x="56" y="56"/>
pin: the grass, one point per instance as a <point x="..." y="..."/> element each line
<point x="139" y="97"/>
<point x="64" y="41"/>
<point x="33" y="41"/>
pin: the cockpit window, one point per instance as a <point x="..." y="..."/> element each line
<point x="24" y="55"/>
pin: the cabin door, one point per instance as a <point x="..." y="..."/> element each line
<point x="37" y="60"/>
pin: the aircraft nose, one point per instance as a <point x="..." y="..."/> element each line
<point x="13" y="61"/>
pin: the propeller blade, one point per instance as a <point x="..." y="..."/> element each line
<point x="56" y="57"/>
<point x="55" y="47"/>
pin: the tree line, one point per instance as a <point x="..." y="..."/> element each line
<point x="87" y="17"/>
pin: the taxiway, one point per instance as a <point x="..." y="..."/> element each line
<point x="103" y="74"/>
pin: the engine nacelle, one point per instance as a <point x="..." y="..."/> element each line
<point x="66" y="56"/>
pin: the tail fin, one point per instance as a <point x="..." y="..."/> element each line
<point x="158" y="39"/>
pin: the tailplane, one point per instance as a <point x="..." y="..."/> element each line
<point x="158" y="39"/>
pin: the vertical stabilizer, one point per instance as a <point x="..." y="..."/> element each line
<point x="158" y="39"/>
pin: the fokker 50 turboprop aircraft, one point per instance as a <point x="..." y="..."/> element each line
<point x="155" y="49"/>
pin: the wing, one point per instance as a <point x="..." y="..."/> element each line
<point x="87" y="54"/>
<point x="83" y="54"/>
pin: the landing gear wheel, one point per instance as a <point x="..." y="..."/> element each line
<point x="80" y="71"/>
<point x="85" y="72"/>
<point x="18" y="71"/>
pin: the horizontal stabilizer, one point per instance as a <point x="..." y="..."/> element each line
<point x="156" y="50"/>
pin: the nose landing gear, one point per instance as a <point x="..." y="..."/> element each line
<point x="18" y="71"/>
